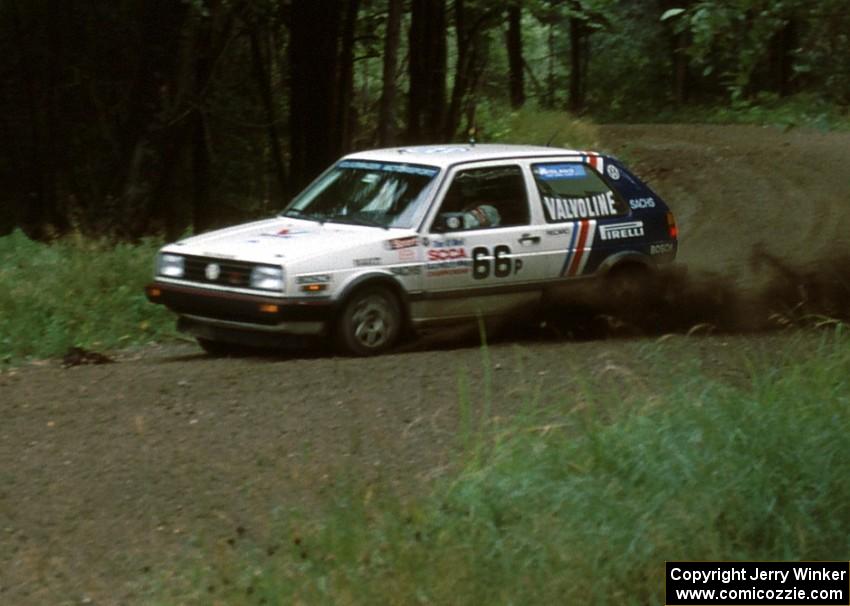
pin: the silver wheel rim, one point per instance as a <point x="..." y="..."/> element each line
<point x="372" y="321"/>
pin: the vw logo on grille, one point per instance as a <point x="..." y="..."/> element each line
<point x="213" y="271"/>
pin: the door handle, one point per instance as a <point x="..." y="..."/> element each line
<point x="529" y="239"/>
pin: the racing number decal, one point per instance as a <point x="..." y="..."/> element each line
<point x="500" y="263"/>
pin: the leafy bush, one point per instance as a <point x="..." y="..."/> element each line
<point x="535" y="127"/>
<point x="75" y="292"/>
<point x="766" y="109"/>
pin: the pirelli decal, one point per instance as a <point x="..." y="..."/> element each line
<point x="620" y="231"/>
<point x="581" y="242"/>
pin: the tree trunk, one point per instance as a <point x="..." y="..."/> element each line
<point x="386" y="111"/>
<point x="782" y="57"/>
<point x="515" y="58"/>
<point x="263" y="77"/>
<point x="549" y="100"/>
<point x="313" y="76"/>
<point x="202" y="212"/>
<point x="679" y="42"/>
<point x="346" y="113"/>
<point x="471" y="26"/>
<point x="577" y="34"/>
<point x="39" y="216"/>
<point x="427" y="93"/>
<point x="465" y="56"/>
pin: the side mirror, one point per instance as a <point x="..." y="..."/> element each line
<point x="445" y="222"/>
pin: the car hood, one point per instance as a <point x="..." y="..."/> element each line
<point x="282" y="240"/>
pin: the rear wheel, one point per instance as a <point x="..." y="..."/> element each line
<point x="370" y="322"/>
<point x="632" y="297"/>
<point x="628" y="285"/>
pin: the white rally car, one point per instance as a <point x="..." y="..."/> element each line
<point x="391" y="240"/>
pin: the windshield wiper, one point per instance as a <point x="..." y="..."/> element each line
<point x="356" y="221"/>
<point x="296" y="213"/>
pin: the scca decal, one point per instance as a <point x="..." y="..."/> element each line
<point x="568" y="209"/>
<point x="443" y="254"/>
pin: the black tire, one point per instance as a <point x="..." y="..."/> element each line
<point x="370" y="322"/>
<point x="629" y="285"/>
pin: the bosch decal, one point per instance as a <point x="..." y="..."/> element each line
<point x="620" y="231"/>
<point x="661" y="248"/>
<point x="568" y="209"/>
<point x="613" y="172"/>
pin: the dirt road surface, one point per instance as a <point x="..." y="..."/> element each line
<point x="110" y="473"/>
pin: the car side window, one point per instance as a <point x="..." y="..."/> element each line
<point x="484" y="198"/>
<point x="571" y="191"/>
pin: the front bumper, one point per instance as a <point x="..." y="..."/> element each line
<point x="242" y="318"/>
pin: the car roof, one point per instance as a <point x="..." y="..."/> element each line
<point x="455" y="153"/>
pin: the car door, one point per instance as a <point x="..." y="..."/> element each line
<point x="481" y="249"/>
<point x="585" y="219"/>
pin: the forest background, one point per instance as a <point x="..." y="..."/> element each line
<point x="132" y="118"/>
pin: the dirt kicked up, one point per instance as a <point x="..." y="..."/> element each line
<point x="111" y="473"/>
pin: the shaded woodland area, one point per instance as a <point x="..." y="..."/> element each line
<point x="128" y="118"/>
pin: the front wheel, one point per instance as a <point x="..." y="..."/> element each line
<point x="370" y="322"/>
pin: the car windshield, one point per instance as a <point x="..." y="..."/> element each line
<point x="379" y="194"/>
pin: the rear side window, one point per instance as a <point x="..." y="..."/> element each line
<point x="571" y="191"/>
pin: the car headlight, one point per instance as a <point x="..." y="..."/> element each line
<point x="267" y="278"/>
<point x="171" y="266"/>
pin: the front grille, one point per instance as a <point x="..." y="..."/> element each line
<point x="231" y="273"/>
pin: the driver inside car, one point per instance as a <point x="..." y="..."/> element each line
<point x="481" y="215"/>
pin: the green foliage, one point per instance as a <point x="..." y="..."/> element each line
<point x="743" y="41"/>
<point x="189" y="123"/>
<point x="498" y="124"/>
<point x="75" y="292"/>
<point x="581" y="511"/>
<point x="767" y="109"/>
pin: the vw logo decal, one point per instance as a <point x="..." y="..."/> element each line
<point x="213" y="271"/>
